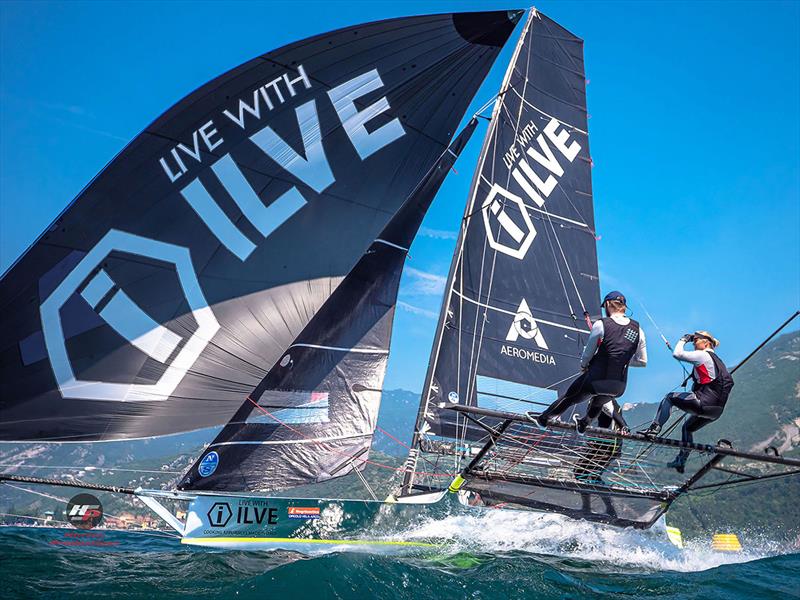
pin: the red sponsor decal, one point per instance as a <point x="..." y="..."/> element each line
<point x="304" y="512"/>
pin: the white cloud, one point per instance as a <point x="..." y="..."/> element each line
<point x="424" y="283"/>
<point x="438" y="234"/>
<point x="416" y="310"/>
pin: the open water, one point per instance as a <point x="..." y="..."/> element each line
<point x="496" y="555"/>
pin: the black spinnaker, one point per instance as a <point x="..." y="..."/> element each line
<point x="313" y="416"/>
<point x="166" y="290"/>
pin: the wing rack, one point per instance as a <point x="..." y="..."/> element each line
<point x="603" y="476"/>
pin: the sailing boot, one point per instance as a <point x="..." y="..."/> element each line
<point x="678" y="464"/>
<point x="651" y="431"/>
<point x="580" y="424"/>
<point x="539" y="420"/>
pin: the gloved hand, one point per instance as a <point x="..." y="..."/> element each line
<point x="625" y="430"/>
<point x="688" y="337"/>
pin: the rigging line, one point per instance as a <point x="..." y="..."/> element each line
<point x="665" y="434"/>
<point x="563" y="459"/>
<point x="389" y="435"/>
<point x="663" y="337"/>
<point x="564" y="123"/>
<point x="566" y="264"/>
<point x="86" y="468"/>
<point x="363" y="480"/>
<point x="764" y="343"/>
<point x="296" y="431"/>
<point x="51" y="497"/>
<point x="475" y="359"/>
<point x="472" y="381"/>
<point x="741" y="483"/>
<point x="146" y="531"/>
<point x="577" y="211"/>
<point x="474" y="192"/>
<point x="546" y="212"/>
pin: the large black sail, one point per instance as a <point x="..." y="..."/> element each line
<point x="313" y="416"/>
<point x="524" y="273"/>
<point x="181" y="273"/>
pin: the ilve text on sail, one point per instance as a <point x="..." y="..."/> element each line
<point x="310" y="166"/>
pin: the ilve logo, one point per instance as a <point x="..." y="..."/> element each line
<point x="219" y="514"/>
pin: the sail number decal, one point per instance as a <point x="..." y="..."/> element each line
<point x="509" y="228"/>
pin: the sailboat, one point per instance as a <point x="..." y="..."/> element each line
<point x="239" y="263"/>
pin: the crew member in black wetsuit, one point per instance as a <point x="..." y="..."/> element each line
<point x="615" y="343"/>
<point x="712" y="383"/>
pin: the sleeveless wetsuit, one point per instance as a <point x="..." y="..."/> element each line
<point x="611" y="348"/>
<point x="712" y="384"/>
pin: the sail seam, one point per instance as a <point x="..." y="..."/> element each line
<point x="339" y="349"/>
<point x="301" y="441"/>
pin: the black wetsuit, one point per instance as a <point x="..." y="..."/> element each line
<point x="607" y="374"/>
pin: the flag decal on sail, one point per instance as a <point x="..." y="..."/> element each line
<point x="524" y="326"/>
<point x="509" y="228"/>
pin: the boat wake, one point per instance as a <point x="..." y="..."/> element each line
<point x="608" y="548"/>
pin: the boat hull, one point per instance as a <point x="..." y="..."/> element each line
<point x="308" y="525"/>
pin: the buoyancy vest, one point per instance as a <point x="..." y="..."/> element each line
<point x="618" y="347"/>
<point x="716" y="391"/>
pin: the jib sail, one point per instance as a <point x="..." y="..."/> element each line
<point x="524" y="273"/>
<point x="313" y="416"/>
<point x="166" y="290"/>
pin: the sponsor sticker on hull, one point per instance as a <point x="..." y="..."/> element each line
<point x="303" y="512"/>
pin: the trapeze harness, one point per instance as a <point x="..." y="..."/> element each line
<point x="707" y="399"/>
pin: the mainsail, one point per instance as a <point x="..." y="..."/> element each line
<point x="524" y="274"/>
<point x="180" y="274"/>
<point x="313" y="416"/>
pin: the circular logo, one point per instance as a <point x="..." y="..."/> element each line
<point x="286" y="360"/>
<point x="453" y="396"/>
<point x="84" y="511"/>
<point x="209" y="464"/>
<point x="525" y="325"/>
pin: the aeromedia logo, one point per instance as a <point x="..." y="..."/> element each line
<point x="525" y="326"/>
<point x="84" y="511"/>
<point x="182" y="164"/>
<point x="506" y="217"/>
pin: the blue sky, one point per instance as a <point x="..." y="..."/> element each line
<point x="694" y="133"/>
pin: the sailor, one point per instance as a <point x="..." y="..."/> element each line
<point x="599" y="452"/>
<point x="615" y="343"/>
<point x="711" y="387"/>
